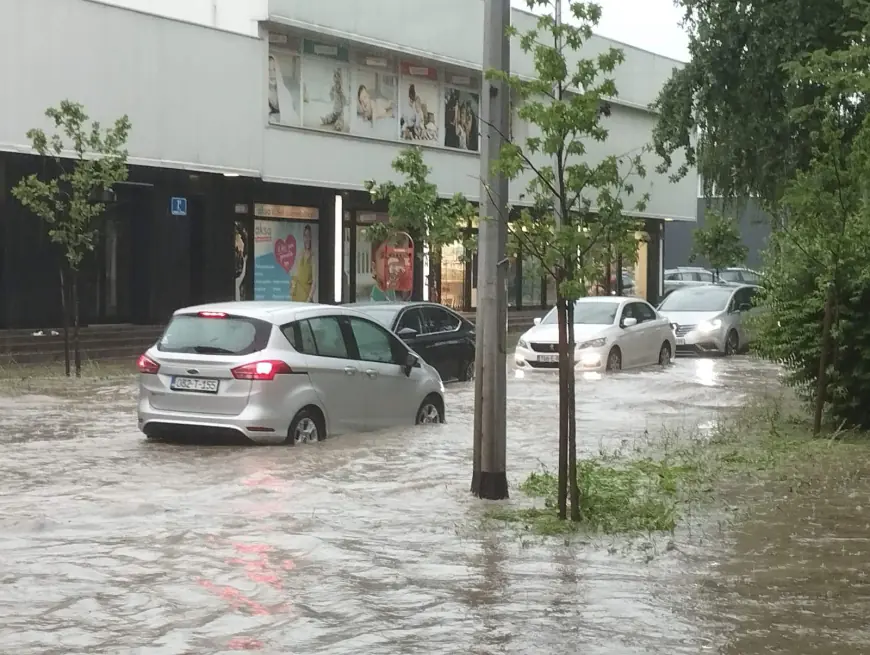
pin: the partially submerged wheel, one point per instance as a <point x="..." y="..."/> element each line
<point x="306" y="427"/>
<point x="732" y="343"/>
<point x="466" y="371"/>
<point x="431" y="411"/>
<point x="665" y="354"/>
<point x="614" y="359"/>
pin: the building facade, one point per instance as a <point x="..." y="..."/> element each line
<point x="255" y="127"/>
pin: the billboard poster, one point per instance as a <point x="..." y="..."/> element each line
<point x="375" y="99"/>
<point x="326" y="87"/>
<point x="285" y="84"/>
<point x="461" y="111"/>
<point x="393" y="269"/>
<point x="244" y="272"/>
<point x="419" y="103"/>
<point x="285" y="260"/>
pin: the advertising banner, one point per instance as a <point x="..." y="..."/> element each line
<point x="285" y="260"/>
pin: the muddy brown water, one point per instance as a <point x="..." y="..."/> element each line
<point x="370" y="543"/>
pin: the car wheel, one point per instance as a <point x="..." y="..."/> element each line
<point x="614" y="360"/>
<point x="665" y="354"/>
<point x="306" y="427"/>
<point x="466" y="371"/>
<point x="431" y="411"/>
<point x="732" y="344"/>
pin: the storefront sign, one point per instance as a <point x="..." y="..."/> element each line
<point x="415" y="70"/>
<point x="241" y="209"/>
<point x="325" y="50"/>
<point x="287" y="212"/>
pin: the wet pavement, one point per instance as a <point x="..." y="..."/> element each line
<point x="371" y="543"/>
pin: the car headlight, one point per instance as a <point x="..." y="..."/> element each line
<point x="709" y="326"/>
<point x="594" y="343"/>
<point x="522" y="343"/>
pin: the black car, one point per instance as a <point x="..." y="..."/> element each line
<point x="439" y="335"/>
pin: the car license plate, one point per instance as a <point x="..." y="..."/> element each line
<point x="550" y="359"/>
<point x="199" y="385"/>
<point x="681" y="342"/>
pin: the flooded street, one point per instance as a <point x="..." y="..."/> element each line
<point x="372" y="544"/>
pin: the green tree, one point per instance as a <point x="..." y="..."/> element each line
<point x="718" y="242"/>
<point x="416" y="208"/>
<point x="737" y="98"/>
<point x="577" y="204"/>
<point x="818" y="264"/>
<point x="87" y="161"/>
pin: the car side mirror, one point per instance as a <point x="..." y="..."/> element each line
<point x="411" y="360"/>
<point x="537" y="320"/>
<point x="407" y="332"/>
<point x="629" y="322"/>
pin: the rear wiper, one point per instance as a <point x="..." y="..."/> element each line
<point x="212" y="350"/>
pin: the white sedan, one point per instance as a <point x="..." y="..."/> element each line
<point x="611" y="333"/>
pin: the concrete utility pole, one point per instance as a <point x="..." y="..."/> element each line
<point x="490" y="386"/>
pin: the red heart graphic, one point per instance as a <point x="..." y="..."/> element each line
<point x="285" y="252"/>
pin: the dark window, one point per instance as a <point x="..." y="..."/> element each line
<point x="411" y="319"/>
<point x="299" y="334"/>
<point x="730" y="276"/>
<point x="703" y="276"/>
<point x="643" y="312"/>
<point x="436" y="319"/>
<point x="215" y="335"/>
<point x="373" y="343"/>
<point x="672" y="276"/>
<point x="750" y="278"/>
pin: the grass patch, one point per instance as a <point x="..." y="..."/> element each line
<point x="768" y="440"/>
<point x="91" y="369"/>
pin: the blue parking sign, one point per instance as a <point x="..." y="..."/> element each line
<point x="178" y="206"/>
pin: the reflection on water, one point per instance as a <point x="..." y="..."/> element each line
<point x="705" y="371"/>
<point x="370" y="543"/>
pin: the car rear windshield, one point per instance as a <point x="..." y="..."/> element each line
<point x="697" y="299"/>
<point x="223" y="335"/>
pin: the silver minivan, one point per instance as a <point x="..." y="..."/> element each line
<point x="282" y="372"/>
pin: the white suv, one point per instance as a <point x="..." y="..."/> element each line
<point x="282" y="371"/>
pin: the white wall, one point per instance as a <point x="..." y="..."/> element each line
<point x="192" y="94"/>
<point x="240" y="16"/>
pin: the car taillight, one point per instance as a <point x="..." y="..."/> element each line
<point x="266" y="370"/>
<point x="212" y="315"/>
<point x="147" y="365"/>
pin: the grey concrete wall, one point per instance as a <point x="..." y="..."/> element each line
<point x="754" y="228"/>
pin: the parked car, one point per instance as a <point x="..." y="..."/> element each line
<point x="711" y="318"/>
<point x="611" y="333"/>
<point x="443" y="338"/>
<point x="740" y="275"/>
<point x="282" y="372"/>
<point x="686" y="276"/>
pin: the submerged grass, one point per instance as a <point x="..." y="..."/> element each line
<point x="652" y="487"/>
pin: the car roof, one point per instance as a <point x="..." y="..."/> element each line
<point x="689" y="268"/>
<point x="392" y="305"/>
<point x="273" y="311"/>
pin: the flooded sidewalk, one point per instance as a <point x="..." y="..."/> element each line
<point x="371" y="543"/>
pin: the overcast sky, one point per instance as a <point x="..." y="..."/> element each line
<point x="649" y="24"/>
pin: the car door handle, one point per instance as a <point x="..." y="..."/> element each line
<point x="372" y="373"/>
<point x="349" y="370"/>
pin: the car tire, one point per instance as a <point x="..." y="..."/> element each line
<point x="466" y="371"/>
<point x="614" y="359"/>
<point x="306" y="427"/>
<point x="431" y="410"/>
<point x="665" y="354"/>
<point x="732" y="344"/>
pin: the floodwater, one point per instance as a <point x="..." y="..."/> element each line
<point x="371" y="543"/>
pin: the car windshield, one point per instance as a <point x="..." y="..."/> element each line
<point x="587" y="313"/>
<point x="215" y="335"/>
<point x="383" y="315"/>
<point x="697" y="299"/>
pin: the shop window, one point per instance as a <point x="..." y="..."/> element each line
<point x="453" y="275"/>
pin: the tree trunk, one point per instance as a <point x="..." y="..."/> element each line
<point x="562" y="306"/>
<point x="824" y="356"/>
<point x="75" y="308"/>
<point x="64" y="311"/>
<point x="434" y="280"/>
<point x="573" y="487"/>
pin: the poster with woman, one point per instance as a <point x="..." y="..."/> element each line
<point x="284" y="87"/>
<point x="374" y="103"/>
<point x="244" y="271"/>
<point x="285" y="261"/>
<point x="419" y="104"/>
<point x="327" y="96"/>
<point x="461" y="112"/>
